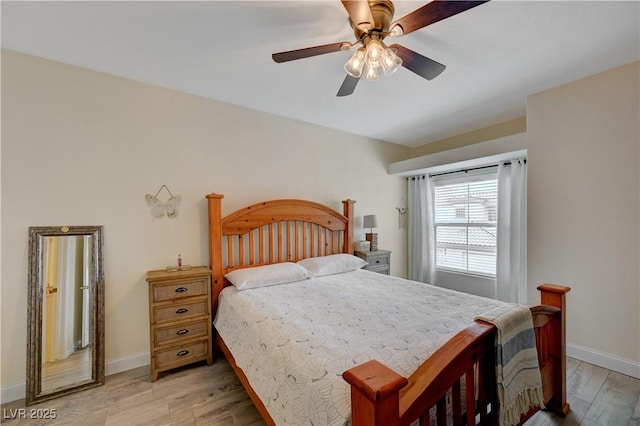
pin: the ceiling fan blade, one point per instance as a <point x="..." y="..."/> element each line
<point x="292" y="55"/>
<point x="421" y="65"/>
<point x="348" y="86"/>
<point x="360" y="13"/>
<point x="433" y="12"/>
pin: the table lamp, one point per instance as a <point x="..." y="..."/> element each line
<point x="371" y="221"/>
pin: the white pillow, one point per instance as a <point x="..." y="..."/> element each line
<point x="332" y="264"/>
<point x="267" y="275"/>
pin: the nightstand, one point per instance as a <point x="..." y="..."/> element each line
<point x="378" y="261"/>
<point x="180" y="318"/>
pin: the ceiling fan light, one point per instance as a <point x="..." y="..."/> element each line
<point x="375" y="51"/>
<point x="354" y="65"/>
<point x="391" y="62"/>
<point x="372" y="70"/>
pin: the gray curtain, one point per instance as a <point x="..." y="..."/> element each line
<point x="421" y="250"/>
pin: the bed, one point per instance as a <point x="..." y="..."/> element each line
<point x="452" y="382"/>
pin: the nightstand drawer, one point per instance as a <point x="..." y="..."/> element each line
<point x="378" y="260"/>
<point x="176" y="333"/>
<point x="179" y="290"/>
<point x="182" y="354"/>
<point x="179" y="311"/>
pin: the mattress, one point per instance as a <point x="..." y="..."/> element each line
<point x="293" y="341"/>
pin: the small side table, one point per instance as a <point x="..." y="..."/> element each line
<point x="378" y="261"/>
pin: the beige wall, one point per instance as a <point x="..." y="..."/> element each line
<point x="83" y="148"/>
<point x="583" y="143"/>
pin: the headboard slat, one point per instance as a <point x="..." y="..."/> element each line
<point x="305" y="240"/>
<point x="252" y="246"/>
<point x="261" y="244"/>
<point x="280" y="245"/>
<point x="241" y="249"/>
<point x="230" y="250"/>
<point x="290" y="254"/>
<point x="271" y="246"/>
<point x="297" y="245"/>
<point x="327" y="241"/>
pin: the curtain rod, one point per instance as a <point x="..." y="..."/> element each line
<point x="465" y="170"/>
<point x="507" y="163"/>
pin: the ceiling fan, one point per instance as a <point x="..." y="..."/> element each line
<point x="372" y="22"/>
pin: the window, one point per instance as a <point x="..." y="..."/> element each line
<point x="465" y="219"/>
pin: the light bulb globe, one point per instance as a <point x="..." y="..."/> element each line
<point x="375" y="51"/>
<point x="372" y="71"/>
<point x="391" y="61"/>
<point x="355" y="64"/>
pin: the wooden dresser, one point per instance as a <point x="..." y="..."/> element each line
<point x="378" y="260"/>
<point x="180" y="318"/>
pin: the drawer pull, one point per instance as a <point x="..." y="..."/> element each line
<point x="378" y="261"/>
<point x="181" y="289"/>
<point x="181" y="332"/>
<point x="182" y="311"/>
<point x="182" y="353"/>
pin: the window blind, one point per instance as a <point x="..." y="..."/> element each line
<point x="465" y="218"/>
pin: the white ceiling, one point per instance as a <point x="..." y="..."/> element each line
<point x="496" y="55"/>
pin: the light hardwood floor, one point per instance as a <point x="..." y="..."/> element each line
<point x="211" y="395"/>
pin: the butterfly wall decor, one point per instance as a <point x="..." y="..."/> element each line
<point x="160" y="208"/>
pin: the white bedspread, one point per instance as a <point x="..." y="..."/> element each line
<point x="293" y="341"/>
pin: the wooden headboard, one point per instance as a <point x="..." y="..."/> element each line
<point x="273" y="232"/>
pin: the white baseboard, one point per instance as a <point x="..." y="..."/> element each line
<point x="114" y="366"/>
<point x="601" y="359"/>
<point x="126" y="363"/>
<point x="13" y="392"/>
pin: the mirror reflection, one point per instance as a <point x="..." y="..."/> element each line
<point x="66" y="311"/>
<point x="65" y="349"/>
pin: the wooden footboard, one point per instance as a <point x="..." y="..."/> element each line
<point x="380" y="397"/>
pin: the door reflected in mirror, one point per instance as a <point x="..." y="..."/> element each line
<point x="66" y="339"/>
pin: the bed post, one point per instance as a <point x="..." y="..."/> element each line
<point x="348" y="235"/>
<point x="215" y="248"/>
<point x="375" y="397"/>
<point x="554" y="295"/>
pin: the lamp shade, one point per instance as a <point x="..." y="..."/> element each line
<point x="354" y="65"/>
<point x="370" y="221"/>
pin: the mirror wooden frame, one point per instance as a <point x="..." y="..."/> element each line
<point x="34" y="392"/>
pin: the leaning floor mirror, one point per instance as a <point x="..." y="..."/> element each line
<point x="65" y="346"/>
